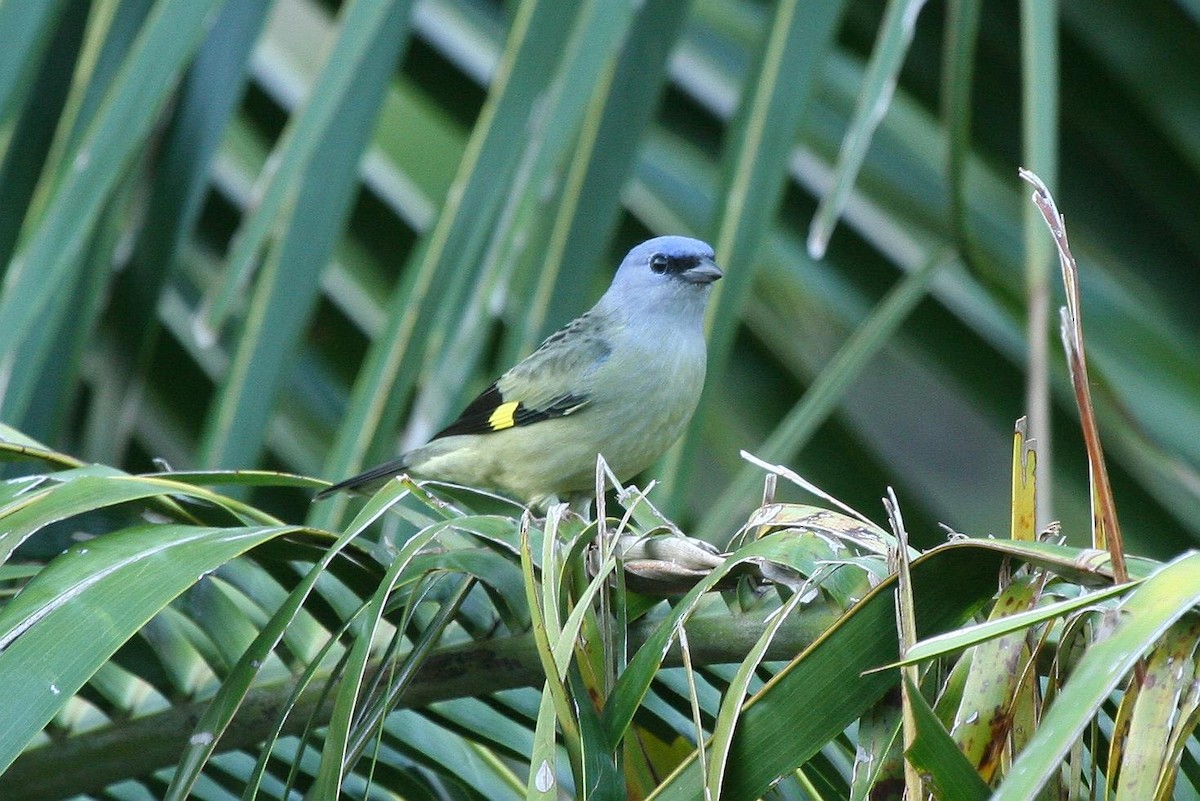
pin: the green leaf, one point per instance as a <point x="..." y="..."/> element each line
<point x="829" y="685"/>
<point x="28" y="26"/>
<point x="208" y="96"/>
<point x="96" y="593"/>
<point x="334" y="754"/>
<point x="1128" y="633"/>
<point x="1147" y="762"/>
<point x="50" y="256"/>
<point x="968" y="636"/>
<point x="891" y="46"/>
<point x="316" y="174"/>
<point x="731" y="704"/>
<point x="360" y="43"/>
<point x="934" y="753"/>
<point x="230" y="697"/>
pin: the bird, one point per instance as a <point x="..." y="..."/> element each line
<point x="622" y="381"/>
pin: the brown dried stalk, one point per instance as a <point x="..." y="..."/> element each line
<point x="1106" y="532"/>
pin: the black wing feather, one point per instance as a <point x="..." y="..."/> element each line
<point x="559" y="407"/>
<point x="476" y="418"/>
<point x="367" y="481"/>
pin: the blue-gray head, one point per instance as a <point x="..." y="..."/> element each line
<point x="667" y="274"/>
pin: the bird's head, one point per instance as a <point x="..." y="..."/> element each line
<point x="667" y="273"/>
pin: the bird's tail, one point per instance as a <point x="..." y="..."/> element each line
<point x="367" y="482"/>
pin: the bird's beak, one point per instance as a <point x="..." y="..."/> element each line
<point x="705" y="272"/>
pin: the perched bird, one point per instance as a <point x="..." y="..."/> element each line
<point x="622" y="380"/>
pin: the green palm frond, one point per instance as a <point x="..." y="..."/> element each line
<point x="246" y="243"/>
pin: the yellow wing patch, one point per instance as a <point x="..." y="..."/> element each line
<point x="504" y="416"/>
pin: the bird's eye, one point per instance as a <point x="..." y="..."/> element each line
<point x="658" y="263"/>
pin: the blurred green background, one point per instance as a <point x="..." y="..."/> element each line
<point x="300" y="235"/>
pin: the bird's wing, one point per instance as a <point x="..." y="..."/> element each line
<point x="551" y="382"/>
